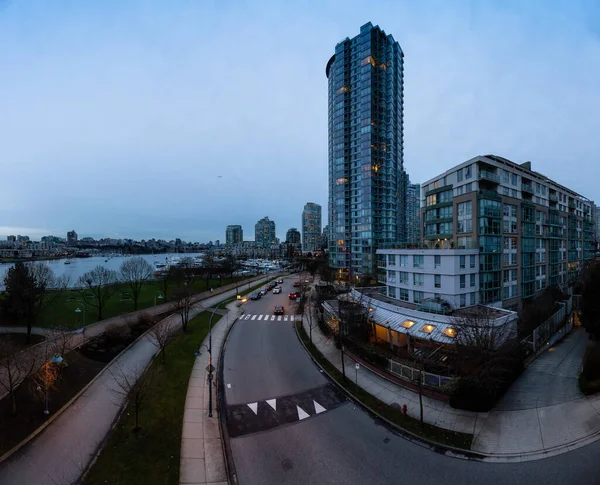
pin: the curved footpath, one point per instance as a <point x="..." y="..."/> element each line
<point x="62" y="451"/>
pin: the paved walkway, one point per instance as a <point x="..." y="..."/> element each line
<point x="501" y="435"/>
<point x="64" y="449"/>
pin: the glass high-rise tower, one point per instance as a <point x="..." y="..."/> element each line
<point x="367" y="203"/>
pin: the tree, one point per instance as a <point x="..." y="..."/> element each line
<point x="160" y="335"/>
<point x="166" y="280"/>
<point x="63" y="337"/>
<point x="135" y="272"/>
<point x="45" y="378"/>
<point x="134" y="385"/>
<point x="310" y="314"/>
<point x="229" y="266"/>
<point x="208" y="268"/>
<point x="102" y="283"/>
<point x="30" y="289"/>
<point x="183" y="305"/>
<point x="15" y="366"/>
<point x="479" y="332"/>
<point x="590" y="302"/>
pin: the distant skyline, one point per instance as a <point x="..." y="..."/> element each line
<point x="118" y="118"/>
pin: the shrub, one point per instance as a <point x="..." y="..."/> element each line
<point x="145" y="319"/>
<point x="117" y="333"/>
<point x="589" y="379"/>
<point x="366" y="354"/>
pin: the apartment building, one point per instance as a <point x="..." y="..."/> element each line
<point x="526" y="232"/>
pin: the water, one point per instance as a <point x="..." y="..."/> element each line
<point x="80" y="266"/>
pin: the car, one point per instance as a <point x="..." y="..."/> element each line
<point x="279" y="310"/>
<point x="277" y="290"/>
<point x="293" y="295"/>
<point x="280" y="281"/>
<point x="272" y="284"/>
<point x="296" y="284"/>
<point x="255" y="296"/>
<point x="263" y="292"/>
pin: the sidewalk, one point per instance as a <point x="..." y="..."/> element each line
<point x="500" y="435"/>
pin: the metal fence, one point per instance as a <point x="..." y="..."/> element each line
<point x="411" y="374"/>
<point x="551" y="330"/>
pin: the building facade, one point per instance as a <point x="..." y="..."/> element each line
<point x="413" y="212"/>
<point x="292" y="236"/>
<point x="367" y="201"/>
<point x="311" y="227"/>
<point x="71" y="237"/>
<point x="234" y="234"/>
<point x="525" y="231"/>
<point x="264" y="233"/>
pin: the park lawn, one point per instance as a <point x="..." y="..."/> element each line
<point x="151" y="456"/>
<point x="395" y="415"/>
<point x="62" y="312"/>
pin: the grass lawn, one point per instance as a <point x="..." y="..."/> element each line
<point x="152" y="455"/>
<point x="62" y="312"/>
<point x="433" y="433"/>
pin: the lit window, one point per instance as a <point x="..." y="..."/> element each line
<point x="407" y="324"/>
<point x="450" y="332"/>
<point x="427" y="328"/>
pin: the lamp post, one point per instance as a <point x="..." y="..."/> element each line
<point x="56" y="359"/>
<point x="157" y="294"/>
<point x="78" y="310"/>
<point x="210" y="367"/>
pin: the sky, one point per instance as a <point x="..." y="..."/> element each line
<point x="145" y="119"/>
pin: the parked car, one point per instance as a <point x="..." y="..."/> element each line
<point x="255" y="296"/>
<point x="272" y="285"/>
<point x="277" y="290"/>
<point x="279" y="310"/>
<point x="293" y="296"/>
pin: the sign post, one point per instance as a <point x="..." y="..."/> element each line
<point x="357" y="366"/>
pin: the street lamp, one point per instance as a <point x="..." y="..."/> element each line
<point x="56" y="359"/>
<point x="158" y="295"/>
<point x="209" y="367"/>
<point x="78" y="310"/>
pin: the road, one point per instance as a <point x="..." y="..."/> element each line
<point x="60" y="453"/>
<point x="288" y="425"/>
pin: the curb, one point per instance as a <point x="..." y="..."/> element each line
<point x="18" y="446"/>
<point x="406" y="434"/>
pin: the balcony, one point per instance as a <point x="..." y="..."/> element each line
<point x="489" y="194"/>
<point x="553" y="198"/>
<point x="572" y="204"/>
<point x="446" y="235"/>
<point x="527" y="188"/>
<point x="490" y="176"/>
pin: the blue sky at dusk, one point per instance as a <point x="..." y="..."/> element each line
<point x="117" y="117"/>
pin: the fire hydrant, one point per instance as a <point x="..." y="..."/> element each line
<point x="404" y="409"/>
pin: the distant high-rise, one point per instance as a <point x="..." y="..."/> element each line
<point x="264" y="233"/>
<point x="413" y="212"/>
<point x="292" y="236"/>
<point x="71" y="237"/>
<point x="367" y="204"/>
<point x="234" y="235"/>
<point x="311" y="227"/>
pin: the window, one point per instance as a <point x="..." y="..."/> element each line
<point x="462" y="262"/>
<point x="472" y="282"/>
<point x="472" y="261"/>
<point x="407" y="323"/>
<point x="417" y="261"/>
<point x="438" y="280"/>
<point x="427" y="328"/>
<point x="468" y="173"/>
<point x="418" y="296"/>
<point x="473" y="298"/>
<point x="463" y="281"/>
<point x="391" y="259"/>
<point x="468" y="187"/>
<point x="505" y="176"/>
<point x="437" y="261"/>
<point x="513" y="179"/>
<point x="403" y="277"/>
<point x="392" y="291"/>
<point x="403" y="294"/>
<point x="463" y="300"/>
<point x="465" y="210"/>
<point x="418" y="279"/>
<point x="459" y="175"/>
<point x="404" y="260"/>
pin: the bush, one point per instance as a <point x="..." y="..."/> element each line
<point x="117" y="334"/>
<point x="145" y="319"/>
<point x="366" y="354"/>
<point x="589" y="379"/>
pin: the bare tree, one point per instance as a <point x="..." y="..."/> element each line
<point x="183" y="304"/>
<point x="15" y="366"/>
<point x="63" y="337"/>
<point x="208" y="267"/>
<point x="30" y="289"/>
<point x="135" y="385"/>
<point x="161" y="335"/>
<point x="166" y="280"/>
<point x="479" y="329"/>
<point x="310" y="314"/>
<point x="135" y="272"/>
<point x="102" y="283"/>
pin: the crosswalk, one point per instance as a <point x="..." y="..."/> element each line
<point x="271" y="318"/>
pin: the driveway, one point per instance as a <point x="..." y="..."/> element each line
<point x="551" y="378"/>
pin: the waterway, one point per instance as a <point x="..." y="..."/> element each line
<point x="80" y="266"/>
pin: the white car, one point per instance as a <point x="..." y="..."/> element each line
<point x="276" y="290"/>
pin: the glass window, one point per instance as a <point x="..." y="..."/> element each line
<point x="392" y="291"/>
<point x="404" y="260"/>
<point x="472" y="261"/>
<point x="417" y="261"/>
<point x="418" y="296"/>
<point x="403" y="277"/>
<point x="403" y="294"/>
<point x="513" y="179"/>
<point x="473" y="298"/>
<point x="463" y="281"/>
<point x="472" y="282"/>
<point x="438" y="281"/>
<point x="468" y="187"/>
<point x="463" y="300"/>
<point x="391" y="259"/>
<point x="437" y="260"/>
<point x="418" y="279"/>
<point x="468" y="173"/>
<point x="462" y="260"/>
<point x="459" y="175"/>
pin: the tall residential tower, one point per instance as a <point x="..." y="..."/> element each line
<point x="234" y="235"/>
<point x="311" y="227"/>
<point x="367" y="184"/>
<point x="264" y="233"/>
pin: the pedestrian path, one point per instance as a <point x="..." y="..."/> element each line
<point x="271" y="318"/>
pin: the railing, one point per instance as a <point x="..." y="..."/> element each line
<point x="492" y="177"/>
<point x="548" y="332"/>
<point x="411" y="374"/>
<point x="489" y="194"/>
<point x="429" y="245"/>
<point x="527" y="188"/>
<point x="553" y="197"/>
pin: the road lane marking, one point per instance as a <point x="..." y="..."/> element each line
<point x="279" y="318"/>
<point x="318" y="407"/>
<point x="272" y="317"/>
<point x="253" y="317"/>
<point x="260" y="317"/>
<point x="228" y="386"/>
<point x="247" y="317"/>
<point x="254" y="407"/>
<point x="302" y="414"/>
<point x="272" y="403"/>
<point x="285" y="318"/>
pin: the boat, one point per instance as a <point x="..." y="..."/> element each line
<point x="67" y="262"/>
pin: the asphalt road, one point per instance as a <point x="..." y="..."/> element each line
<point x="267" y="374"/>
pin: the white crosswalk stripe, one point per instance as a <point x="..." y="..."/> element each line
<point x="285" y="318"/>
<point x="260" y="317"/>
<point x="247" y="317"/>
<point x="279" y="318"/>
<point x="272" y="318"/>
<point x="253" y="317"/>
